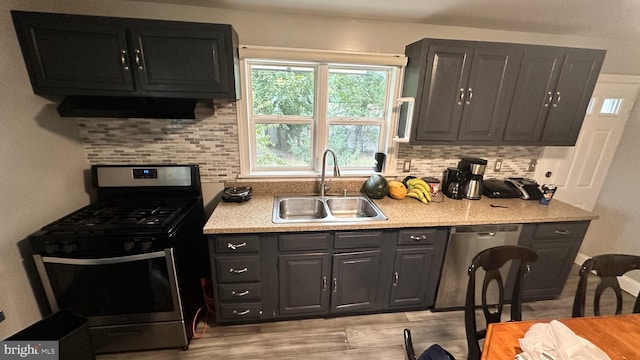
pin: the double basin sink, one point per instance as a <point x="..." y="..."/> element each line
<point x="320" y="209"/>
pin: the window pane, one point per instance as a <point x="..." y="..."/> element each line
<point x="356" y="93"/>
<point x="592" y="103"/>
<point x="611" y="106"/>
<point x="355" y="145"/>
<point x="282" y="90"/>
<point x="283" y="145"/>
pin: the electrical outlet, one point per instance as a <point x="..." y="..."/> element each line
<point x="407" y="166"/>
<point x="532" y="164"/>
<point x="498" y="165"/>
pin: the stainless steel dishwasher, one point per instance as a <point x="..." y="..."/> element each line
<point x="464" y="243"/>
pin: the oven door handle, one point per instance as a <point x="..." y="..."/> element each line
<point x="104" y="261"/>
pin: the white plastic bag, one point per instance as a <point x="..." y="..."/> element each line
<point x="555" y="341"/>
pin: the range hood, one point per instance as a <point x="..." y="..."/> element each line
<point x="127" y="107"/>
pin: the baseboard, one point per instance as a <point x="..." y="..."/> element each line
<point x="626" y="283"/>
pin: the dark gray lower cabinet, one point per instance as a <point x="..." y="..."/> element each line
<point x="410" y="281"/>
<point x="331" y="273"/>
<point x="355" y="282"/>
<point x="419" y="255"/>
<point x="557" y="245"/>
<point x="269" y="276"/>
<point x="303" y="281"/>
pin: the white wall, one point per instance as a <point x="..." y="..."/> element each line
<point x="42" y="178"/>
<point x="43" y="161"/>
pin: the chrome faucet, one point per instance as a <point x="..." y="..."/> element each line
<point x="336" y="170"/>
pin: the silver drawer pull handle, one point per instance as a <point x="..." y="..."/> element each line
<point x="470" y="96"/>
<point x="562" y="232"/>
<point x="235" y="246"/>
<point x="123" y="59"/>
<point x="418" y="238"/>
<point x="239" y="271"/>
<point x="395" y="279"/>
<point x="138" y="59"/>
<point x="240" y="294"/>
<point x="324" y="283"/>
<point x="549" y="99"/>
<point x="241" y="313"/>
<point x="461" y="99"/>
<point x="558" y="97"/>
<point x="335" y="285"/>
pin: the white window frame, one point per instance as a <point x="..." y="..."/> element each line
<point x="323" y="60"/>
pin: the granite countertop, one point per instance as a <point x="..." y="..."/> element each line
<point x="254" y="216"/>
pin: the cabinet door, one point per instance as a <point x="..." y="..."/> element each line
<point x="572" y="95"/>
<point x="73" y="55"/>
<point x="443" y="96"/>
<point x="175" y="58"/>
<point x="355" y="281"/>
<point x="533" y="95"/>
<point x="492" y="80"/>
<point x="304" y="283"/>
<point x="549" y="273"/>
<point x="411" y="277"/>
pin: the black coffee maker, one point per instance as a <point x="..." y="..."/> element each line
<point x="453" y="183"/>
<point x="473" y="171"/>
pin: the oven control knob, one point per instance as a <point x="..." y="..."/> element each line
<point x="129" y="245"/>
<point x="70" y="247"/>
<point x="51" y="248"/>
<point x="145" y="245"/>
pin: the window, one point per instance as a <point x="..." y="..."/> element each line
<point x="297" y="109"/>
<point x="610" y="106"/>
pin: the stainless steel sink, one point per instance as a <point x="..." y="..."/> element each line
<point x="314" y="208"/>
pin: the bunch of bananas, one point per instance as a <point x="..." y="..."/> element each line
<point x="419" y="189"/>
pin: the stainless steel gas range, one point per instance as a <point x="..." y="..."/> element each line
<point x="131" y="261"/>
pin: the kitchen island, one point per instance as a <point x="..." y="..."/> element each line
<point x="264" y="271"/>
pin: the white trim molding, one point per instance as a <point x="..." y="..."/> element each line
<point x="348" y="57"/>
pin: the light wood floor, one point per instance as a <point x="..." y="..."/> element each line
<point x="369" y="337"/>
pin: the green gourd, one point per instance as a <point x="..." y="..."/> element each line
<point x="376" y="187"/>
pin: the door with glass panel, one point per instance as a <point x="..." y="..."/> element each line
<point x="579" y="171"/>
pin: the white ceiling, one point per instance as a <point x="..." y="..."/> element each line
<point x="591" y="18"/>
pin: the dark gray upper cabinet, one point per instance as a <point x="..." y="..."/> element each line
<point x="487" y="93"/>
<point x="468" y="87"/>
<point x="103" y="56"/>
<point x="552" y="95"/>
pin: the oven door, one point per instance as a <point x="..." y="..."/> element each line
<point x="128" y="289"/>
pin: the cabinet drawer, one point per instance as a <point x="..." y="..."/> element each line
<point x="236" y="243"/>
<point x="417" y="236"/>
<point x="239" y="311"/>
<point x="358" y="239"/>
<point x="573" y="230"/>
<point x="303" y="242"/>
<point x="233" y="292"/>
<point x="232" y="269"/>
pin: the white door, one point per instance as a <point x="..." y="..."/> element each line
<point x="579" y="171"/>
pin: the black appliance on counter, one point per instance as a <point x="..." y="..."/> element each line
<point x="473" y="170"/>
<point x="453" y="183"/>
<point x="495" y="188"/>
<point x="131" y="261"/>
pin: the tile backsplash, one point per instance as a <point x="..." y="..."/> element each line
<point x="212" y="142"/>
<point x="434" y="159"/>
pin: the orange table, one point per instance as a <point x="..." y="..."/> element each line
<point x="618" y="336"/>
